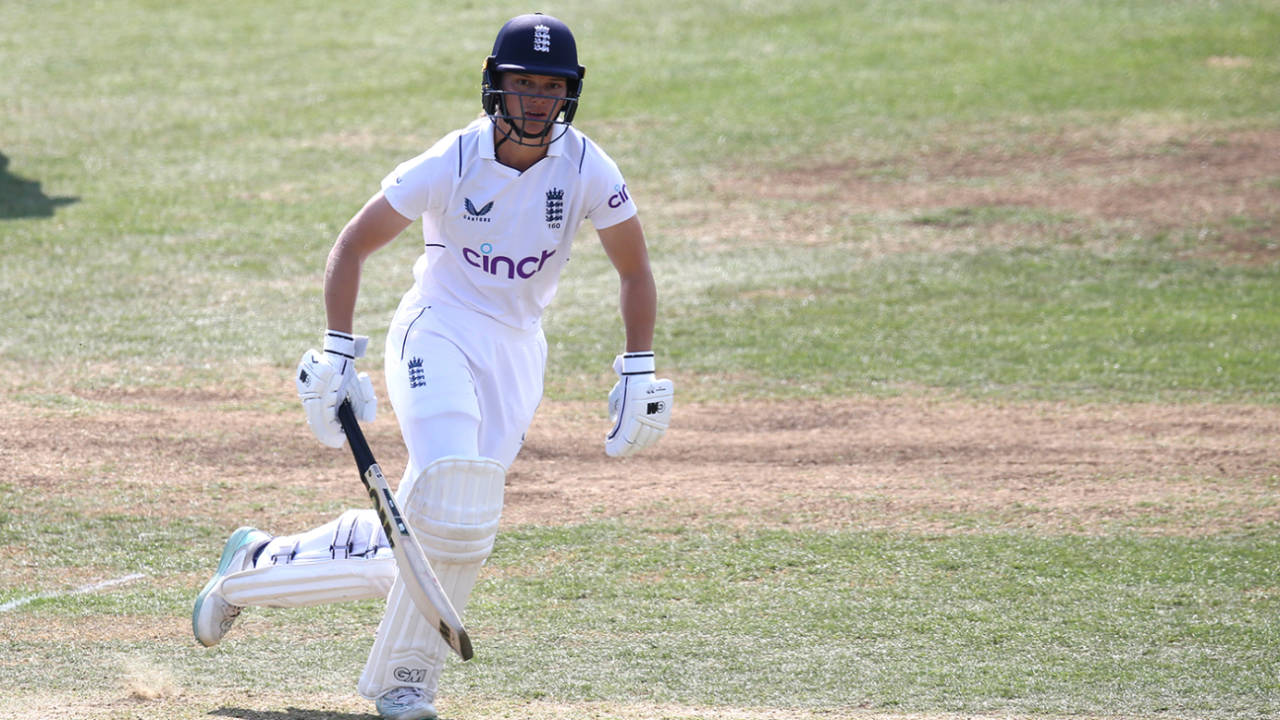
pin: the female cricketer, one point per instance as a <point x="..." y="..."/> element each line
<point x="500" y="201"/>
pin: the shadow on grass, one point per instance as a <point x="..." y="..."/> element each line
<point x="22" y="198"/>
<point x="289" y="714"/>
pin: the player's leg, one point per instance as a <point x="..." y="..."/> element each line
<point x="509" y="391"/>
<point x="293" y="573"/>
<point x="453" y="508"/>
<point x="345" y="559"/>
<point x="462" y="441"/>
<point x="432" y="389"/>
<point x="430" y="385"/>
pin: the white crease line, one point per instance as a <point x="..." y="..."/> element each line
<point x="78" y="591"/>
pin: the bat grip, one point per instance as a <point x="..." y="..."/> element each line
<point x="355" y="437"/>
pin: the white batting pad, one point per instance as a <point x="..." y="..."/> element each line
<point x="453" y="508"/>
<point x="345" y="559"/>
<point x="311" y="583"/>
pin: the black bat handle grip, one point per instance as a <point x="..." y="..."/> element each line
<point x="359" y="446"/>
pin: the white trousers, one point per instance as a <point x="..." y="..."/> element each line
<point x="461" y="383"/>
<point x="463" y="386"/>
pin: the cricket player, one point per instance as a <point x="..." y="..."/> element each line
<point x="500" y="201"/>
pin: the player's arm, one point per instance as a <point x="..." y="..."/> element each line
<point x="639" y="404"/>
<point x="638" y="297"/>
<point x="375" y="225"/>
<point x="325" y="378"/>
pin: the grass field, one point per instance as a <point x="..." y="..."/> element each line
<point x="973" y="308"/>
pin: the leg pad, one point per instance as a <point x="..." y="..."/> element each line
<point x="346" y="559"/>
<point x="454" y="508"/>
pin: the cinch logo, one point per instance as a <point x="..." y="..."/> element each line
<point x="502" y="265"/>
<point x="619" y="197"/>
<point x="475" y="215"/>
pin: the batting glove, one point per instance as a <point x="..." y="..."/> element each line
<point x="327" y="378"/>
<point x="639" y="405"/>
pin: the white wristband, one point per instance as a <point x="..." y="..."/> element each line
<point x="344" y="344"/>
<point x="636" y="363"/>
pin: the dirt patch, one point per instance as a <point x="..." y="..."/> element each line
<point x="1219" y="193"/>
<point x="917" y="465"/>
<point x="252" y="704"/>
<point x="899" y="464"/>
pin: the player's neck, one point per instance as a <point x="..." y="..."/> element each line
<point x="514" y="155"/>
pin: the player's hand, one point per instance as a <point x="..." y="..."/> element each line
<point x="326" y="378"/>
<point x="639" y="405"/>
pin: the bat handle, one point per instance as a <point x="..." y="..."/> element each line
<point x="355" y="437"/>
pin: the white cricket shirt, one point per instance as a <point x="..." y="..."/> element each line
<point x="495" y="239"/>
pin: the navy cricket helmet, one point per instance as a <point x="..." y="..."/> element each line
<point x="536" y="44"/>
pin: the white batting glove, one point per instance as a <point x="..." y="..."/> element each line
<point x="639" y="405"/>
<point x="327" y="378"/>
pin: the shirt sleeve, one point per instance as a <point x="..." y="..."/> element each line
<point x="415" y="184"/>
<point x="608" y="199"/>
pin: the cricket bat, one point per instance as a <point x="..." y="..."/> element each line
<point x="415" y="570"/>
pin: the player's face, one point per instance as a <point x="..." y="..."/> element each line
<point x="537" y="101"/>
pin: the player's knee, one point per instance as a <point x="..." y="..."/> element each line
<point x="454" y="507"/>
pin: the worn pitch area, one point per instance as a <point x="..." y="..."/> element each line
<point x="903" y="463"/>
<point x="906" y="464"/>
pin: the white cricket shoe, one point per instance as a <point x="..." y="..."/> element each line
<point x="405" y="703"/>
<point x="212" y="615"/>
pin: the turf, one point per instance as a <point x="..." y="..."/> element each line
<point x="1009" y="623"/>
<point x="201" y="163"/>
<point x="172" y="177"/>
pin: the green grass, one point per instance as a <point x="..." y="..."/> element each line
<point x="212" y="155"/>
<point x="1037" y="322"/>
<point x="1069" y="626"/>
<point x="1005" y="623"/>
<point x="176" y="173"/>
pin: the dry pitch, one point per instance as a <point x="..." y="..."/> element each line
<point x="901" y="464"/>
<point x="909" y="464"/>
<point x="888" y="463"/>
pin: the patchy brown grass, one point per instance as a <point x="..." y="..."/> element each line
<point x="906" y="464"/>
<point x="169" y="704"/>
<point x="1216" y="192"/>
<point x="226" y="456"/>
<point x="917" y="465"/>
